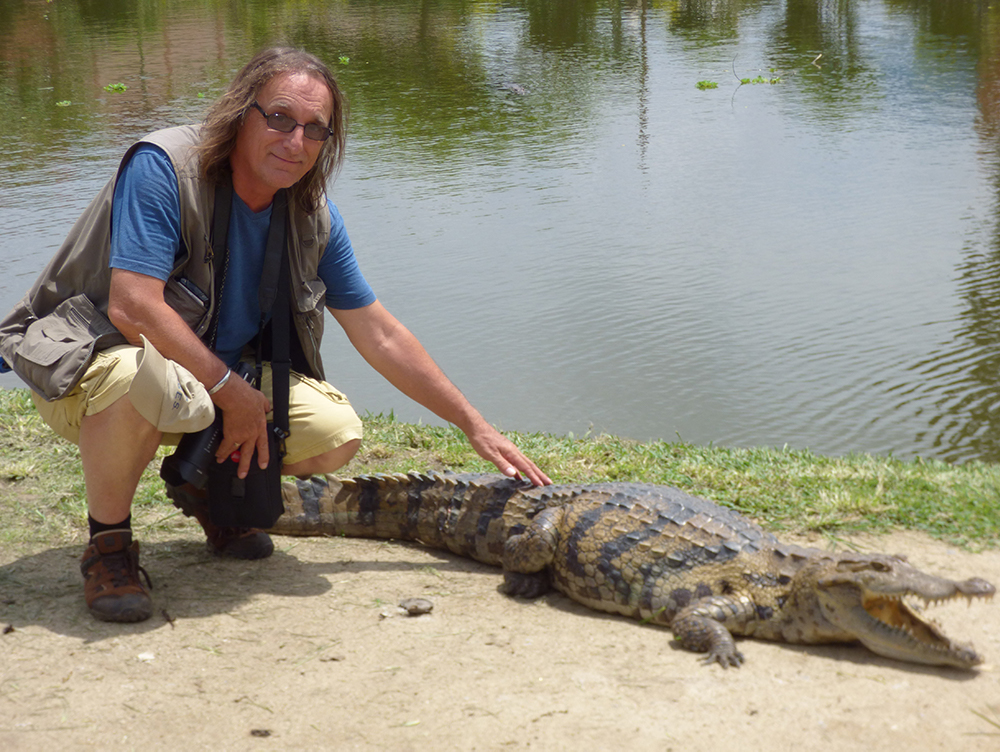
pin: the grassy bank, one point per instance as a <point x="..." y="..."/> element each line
<point x="42" y="491"/>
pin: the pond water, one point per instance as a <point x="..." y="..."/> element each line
<point x="584" y="238"/>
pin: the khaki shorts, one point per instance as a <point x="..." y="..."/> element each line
<point x="320" y="418"/>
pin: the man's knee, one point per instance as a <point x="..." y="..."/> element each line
<point x="337" y="458"/>
<point x="327" y="462"/>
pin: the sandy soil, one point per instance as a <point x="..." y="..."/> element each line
<point x="308" y="650"/>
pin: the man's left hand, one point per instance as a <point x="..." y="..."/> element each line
<point x="492" y="445"/>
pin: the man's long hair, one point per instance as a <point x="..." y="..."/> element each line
<point x="223" y="122"/>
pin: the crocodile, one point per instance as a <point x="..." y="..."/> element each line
<point x="650" y="552"/>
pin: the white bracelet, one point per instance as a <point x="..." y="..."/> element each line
<point x="222" y="383"/>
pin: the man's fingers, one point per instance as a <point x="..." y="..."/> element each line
<point x="492" y="445"/>
<point x="537" y="477"/>
<point x="244" y="467"/>
<point x="263" y="451"/>
<point x="226" y="449"/>
<point x="511" y="466"/>
<point x="245" y="456"/>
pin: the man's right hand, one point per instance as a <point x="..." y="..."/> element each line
<point x="244" y="423"/>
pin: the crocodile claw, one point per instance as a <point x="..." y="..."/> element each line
<point x="724" y="658"/>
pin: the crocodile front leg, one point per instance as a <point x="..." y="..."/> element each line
<point x="528" y="556"/>
<point x="704" y="627"/>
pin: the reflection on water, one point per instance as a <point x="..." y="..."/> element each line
<point x="579" y="234"/>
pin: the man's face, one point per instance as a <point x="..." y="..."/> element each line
<point x="265" y="160"/>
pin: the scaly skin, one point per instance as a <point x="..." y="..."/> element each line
<point x="650" y="552"/>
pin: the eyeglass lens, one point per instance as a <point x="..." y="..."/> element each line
<point x="285" y="124"/>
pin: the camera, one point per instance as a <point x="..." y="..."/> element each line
<point x="195" y="452"/>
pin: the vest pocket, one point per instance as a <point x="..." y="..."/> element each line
<point x="190" y="302"/>
<point x="57" y="349"/>
<point x="310" y="295"/>
<point x="308" y="315"/>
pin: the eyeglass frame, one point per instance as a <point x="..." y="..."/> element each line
<point x="326" y="131"/>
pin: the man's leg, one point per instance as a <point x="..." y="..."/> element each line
<point x="325" y="430"/>
<point x="327" y="462"/>
<point x="116" y="444"/>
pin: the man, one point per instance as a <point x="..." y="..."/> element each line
<point x="133" y="282"/>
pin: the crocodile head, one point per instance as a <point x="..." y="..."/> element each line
<point x="874" y="598"/>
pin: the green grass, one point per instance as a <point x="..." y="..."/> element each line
<point x="42" y="495"/>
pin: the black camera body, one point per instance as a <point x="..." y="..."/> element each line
<point x="195" y="452"/>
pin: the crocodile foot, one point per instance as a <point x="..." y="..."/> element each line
<point x="526" y="584"/>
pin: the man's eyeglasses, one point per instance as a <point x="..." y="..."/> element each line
<point x="285" y="124"/>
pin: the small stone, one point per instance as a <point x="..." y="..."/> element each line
<point x="416" y="606"/>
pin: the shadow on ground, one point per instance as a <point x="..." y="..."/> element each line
<point x="45" y="588"/>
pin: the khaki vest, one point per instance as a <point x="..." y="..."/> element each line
<point x="51" y="335"/>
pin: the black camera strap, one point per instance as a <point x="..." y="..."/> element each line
<point x="273" y="294"/>
<point x="220" y="249"/>
<point x="273" y="297"/>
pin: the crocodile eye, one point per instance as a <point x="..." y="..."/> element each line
<point x="879" y="566"/>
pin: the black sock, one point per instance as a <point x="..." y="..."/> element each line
<point x="101" y="527"/>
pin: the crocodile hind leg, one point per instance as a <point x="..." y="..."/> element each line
<point x="703" y="627"/>
<point x="527" y="557"/>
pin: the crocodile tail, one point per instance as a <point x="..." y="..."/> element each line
<point x="465" y="514"/>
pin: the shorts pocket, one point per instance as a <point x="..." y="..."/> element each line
<point x="331" y="392"/>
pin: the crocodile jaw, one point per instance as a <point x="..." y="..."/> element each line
<point x="897" y="631"/>
<point x="887" y="625"/>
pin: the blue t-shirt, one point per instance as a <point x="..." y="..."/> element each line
<point x="146" y="238"/>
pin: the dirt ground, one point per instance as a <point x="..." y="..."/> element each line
<point x="308" y="650"/>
